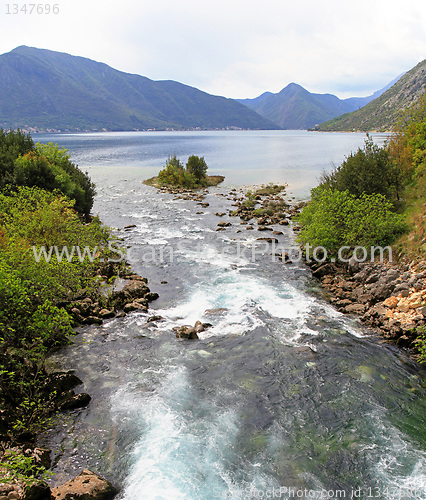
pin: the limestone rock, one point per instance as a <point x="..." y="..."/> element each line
<point x="92" y="320"/>
<point x="37" y="491"/>
<point x="355" y="308"/>
<point x="186" y="332"/>
<point x="135" y="288"/>
<point x="150" y="296"/>
<point x="106" y="313"/>
<point x="86" y="486"/>
<point x="62" y="382"/>
<point x="391" y="302"/>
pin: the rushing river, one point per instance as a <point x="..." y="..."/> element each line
<point x="282" y="397"/>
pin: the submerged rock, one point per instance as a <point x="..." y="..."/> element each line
<point x="218" y="310"/>
<point x="70" y="401"/>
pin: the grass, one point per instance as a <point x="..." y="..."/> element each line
<point x="413" y="243"/>
<point x="270" y="189"/>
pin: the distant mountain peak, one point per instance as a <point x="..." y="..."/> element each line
<point x="294" y="107"/>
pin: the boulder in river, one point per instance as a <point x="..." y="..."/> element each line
<point x="186" y="332"/>
<point x="70" y="401"/>
<point x="86" y="486"/>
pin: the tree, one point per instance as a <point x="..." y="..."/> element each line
<point x="407" y="146"/>
<point x="82" y="189"/>
<point x="197" y="167"/>
<point x="12" y="145"/>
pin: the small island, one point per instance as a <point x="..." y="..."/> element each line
<point x="190" y="176"/>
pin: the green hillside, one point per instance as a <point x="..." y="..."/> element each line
<point x="382" y="113"/>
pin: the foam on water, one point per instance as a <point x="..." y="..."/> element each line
<point x="397" y="464"/>
<point x="176" y="428"/>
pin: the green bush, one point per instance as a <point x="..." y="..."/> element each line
<point x="12" y="145"/>
<point x="420" y="344"/>
<point x="370" y="170"/>
<point x="175" y="174"/>
<point x="32" y="292"/>
<point x="197" y="167"/>
<point x="80" y="187"/>
<point x="333" y="219"/>
<point x="27" y="331"/>
<point x="32" y="217"/>
<point x="45" y="166"/>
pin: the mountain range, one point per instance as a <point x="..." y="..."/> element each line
<point x="43" y="89"/>
<point x="296" y="108"/>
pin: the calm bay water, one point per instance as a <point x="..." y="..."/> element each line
<point x="243" y="157"/>
<point x="283" y="397"/>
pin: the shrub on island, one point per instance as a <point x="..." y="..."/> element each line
<point x="193" y="175"/>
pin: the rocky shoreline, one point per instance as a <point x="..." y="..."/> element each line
<point x="130" y="293"/>
<point x="389" y="297"/>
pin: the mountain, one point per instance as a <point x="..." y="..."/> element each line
<point x="296" y="108"/>
<point x="382" y="113"/>
<point x="43" y="89"/>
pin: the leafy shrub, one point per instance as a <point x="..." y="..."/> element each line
<point x="270" y="189"/>
<point x="197" y="167"/>
<point x="34" y="217"/>
<point x="32" y="319"/>
<point x="45" y="166"/>
<point x="81" y="189"/>
<point x="333" y="219"/>
<point x="250" y="201"/>
<point x="263" y="211"/>
<point x="27" y="330"/>
<point x="420" y="344"/>
<point x="20" y="465"/>
<point x="407" y="146"/>
<point x="370" y="170"/>
<point x="175" y="174"/>
<point x="12" y="145"/>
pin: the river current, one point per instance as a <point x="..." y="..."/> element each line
<point x="283" y="396"/>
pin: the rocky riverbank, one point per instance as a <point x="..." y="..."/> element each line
<point x="21" y="462"/>
<point x="389" y="297"/>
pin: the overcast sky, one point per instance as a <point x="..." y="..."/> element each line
<point x="236" y="48"/>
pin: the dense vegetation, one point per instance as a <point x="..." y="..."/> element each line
<point x="45" y="166"/>
<point x="40" y="190"/>
<point x="336" y="219"/>
<point x="376" y="197"/>
<point x="176" y="174"/>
